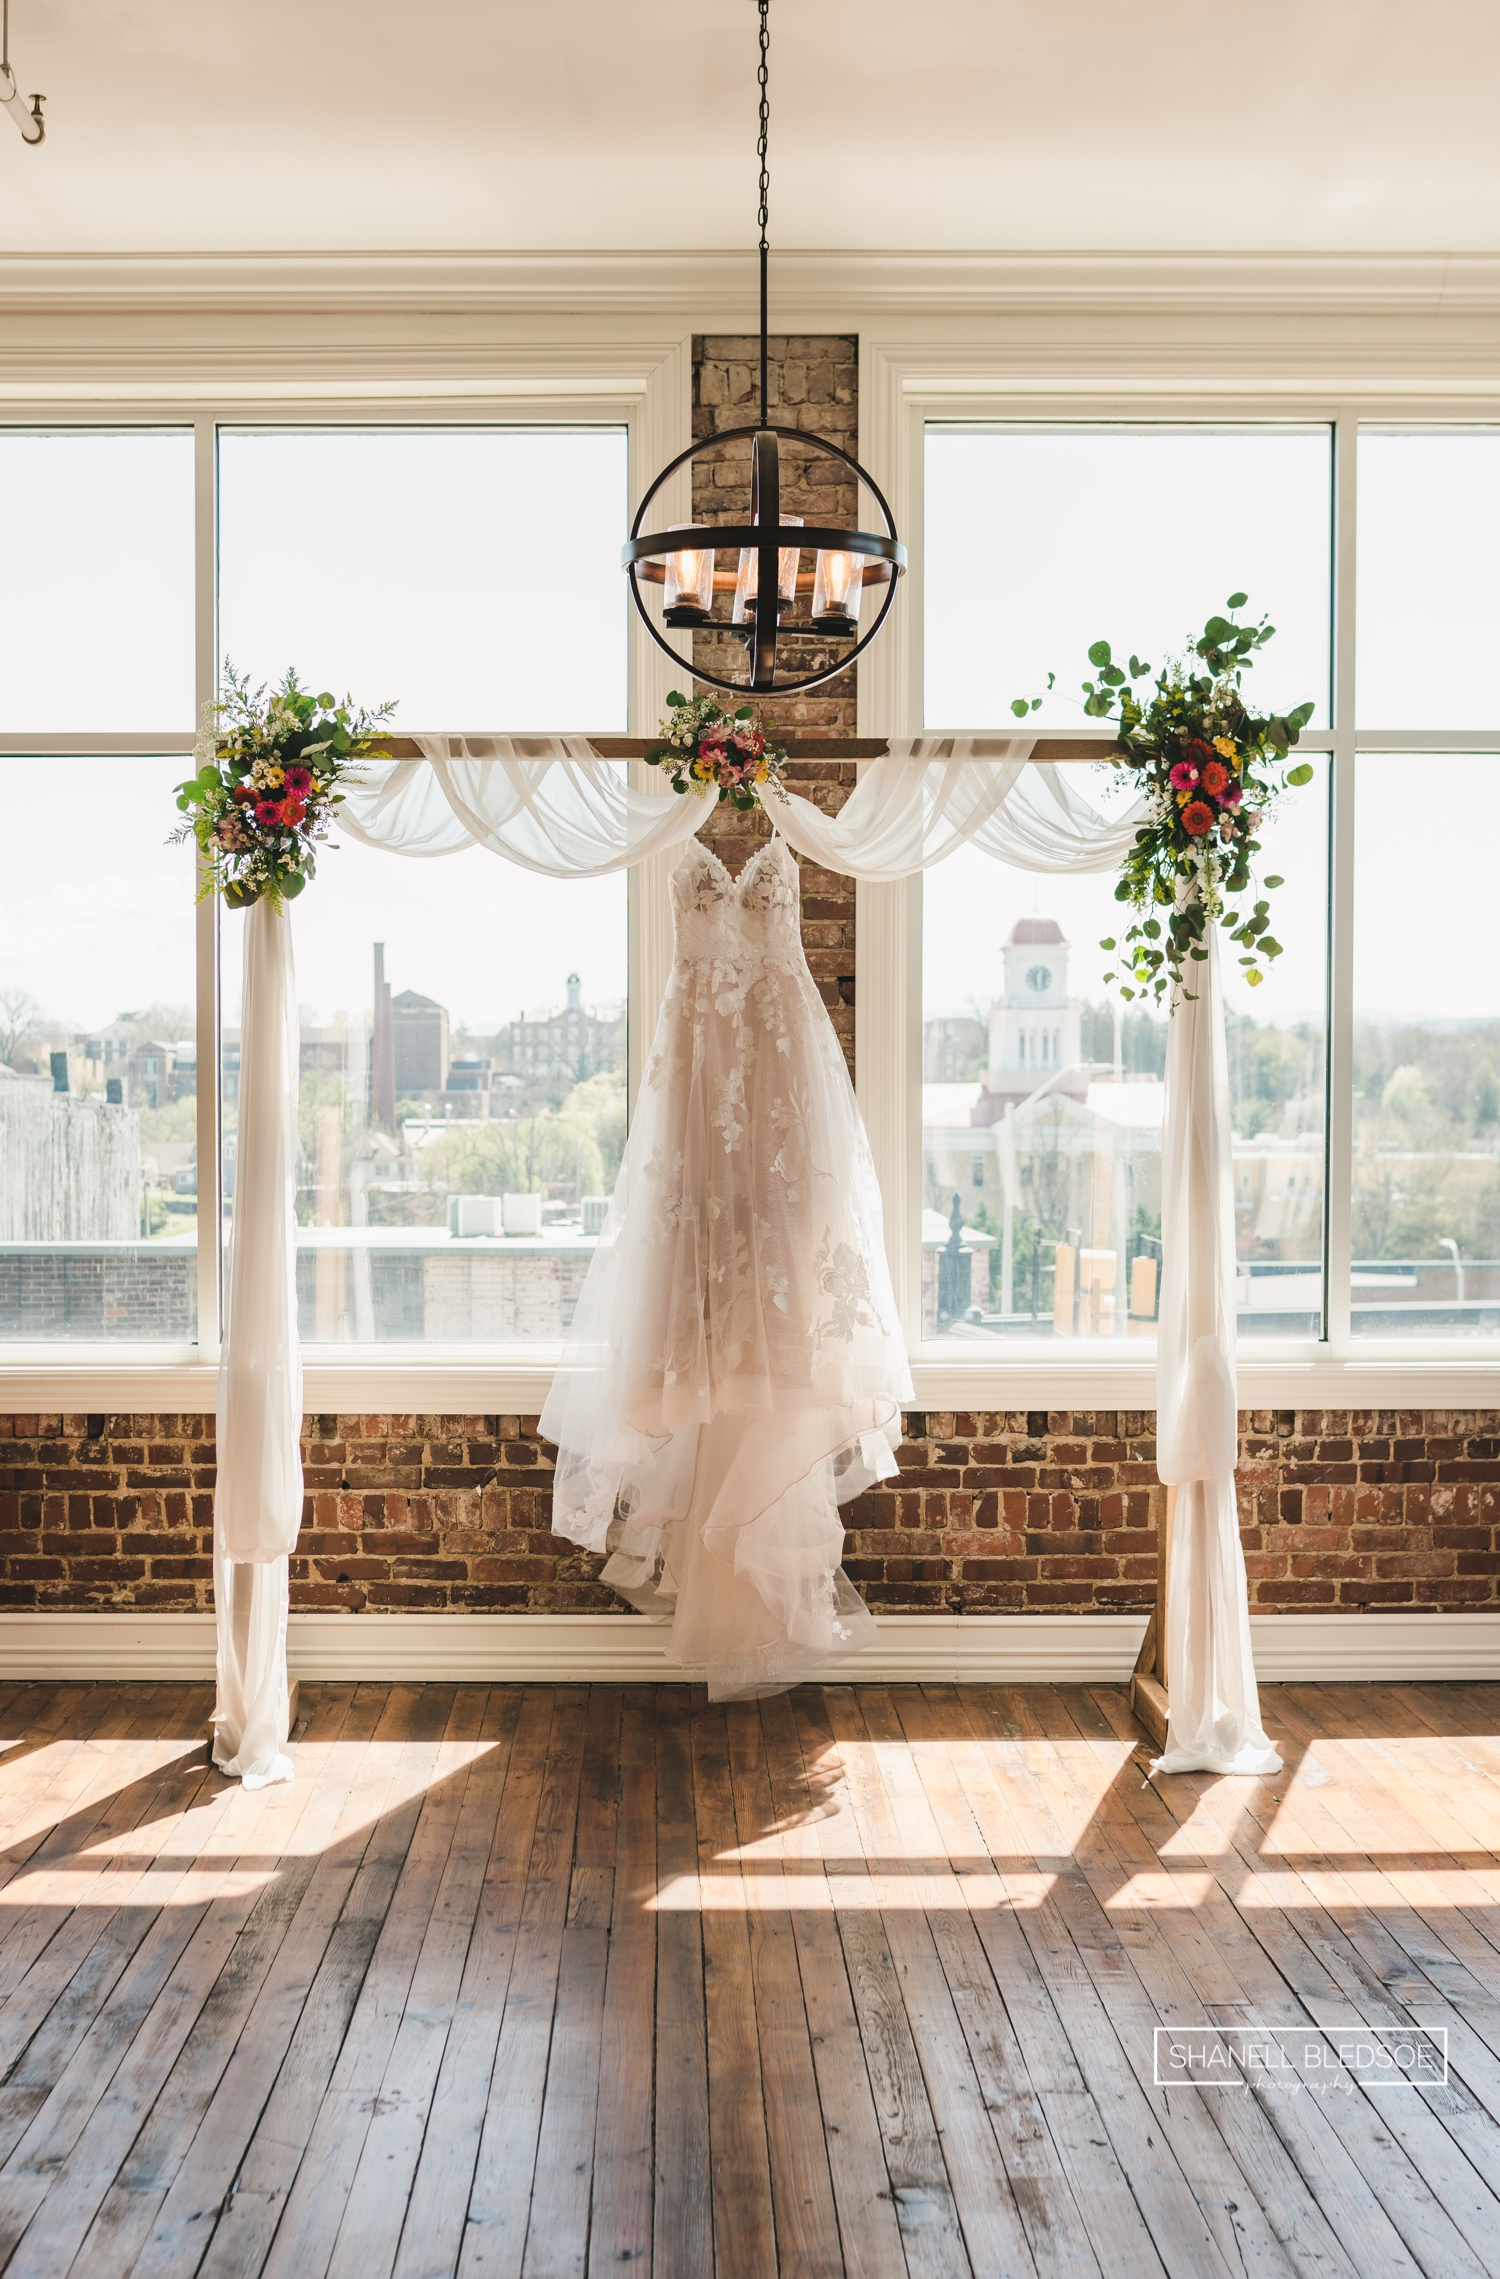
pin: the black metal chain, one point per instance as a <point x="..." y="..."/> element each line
<point x="763" y="79"/>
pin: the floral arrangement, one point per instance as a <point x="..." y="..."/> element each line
<point x="708" y="749"/>
<point x="270" y="763"/>
<point x="1211" y="770"/>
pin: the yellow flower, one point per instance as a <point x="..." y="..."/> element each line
<point x="1224" y="746"/>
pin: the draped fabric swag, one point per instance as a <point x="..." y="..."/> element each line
<point x="548" y="803"/>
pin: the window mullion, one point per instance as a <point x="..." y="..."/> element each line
<point x="206" y="934"/>
<point x="1339" y="1173"/>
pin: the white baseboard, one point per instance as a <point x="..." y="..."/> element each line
<point x="993" y="1649"/>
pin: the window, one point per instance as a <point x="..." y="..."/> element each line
<point x="462" y="1104"/>
<point x="98" y="1060"/>
<point x="1040" y="540"/>
<point x="1062" y="1077"/>
<point x="96" y="588"/>
<point x="1426" y="1110"/>
<point x="450" y="1171"/>
<point x="473" y="573"/>
<point x="1428" y="585"/>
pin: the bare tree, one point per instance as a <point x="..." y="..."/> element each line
<point x="18" y="1016"/>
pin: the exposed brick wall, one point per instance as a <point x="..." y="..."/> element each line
<point x="1025" y="1512"/>
<point x="814" y="386"/>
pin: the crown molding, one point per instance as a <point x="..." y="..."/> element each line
<point x="822" y="287"/>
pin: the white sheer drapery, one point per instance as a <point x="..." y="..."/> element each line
<point x="548" y="803"/>
<point x="258" y="1492"/>
<point x="1213" y="1706"/>
<point x="932" y="795"/>
<point x="544" y="802"/>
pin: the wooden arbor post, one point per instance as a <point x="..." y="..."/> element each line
<point x="1148" y="1685"/>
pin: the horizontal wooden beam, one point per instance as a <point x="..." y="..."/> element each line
<point x="807" y="747"/>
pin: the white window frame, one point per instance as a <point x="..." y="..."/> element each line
<point x="905" y="385"/>
<point x="643" y="384"/>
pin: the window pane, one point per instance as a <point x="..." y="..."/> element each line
<point x="1041" y="540"/>
<point x="471" y="574"/>
<point x="96" y="583"/>
<point x="456" y="1152"/>
<point x="98" y="1156"/>
<point x="1042" y="1105"/>
<point x="1429" y="587"/>
<point x="1426" y="1234"/>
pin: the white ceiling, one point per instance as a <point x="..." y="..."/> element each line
<point x="332" y="125"/>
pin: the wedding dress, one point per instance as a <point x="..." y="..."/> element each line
<point x="735" y="1369"/>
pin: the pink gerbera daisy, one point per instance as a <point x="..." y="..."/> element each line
<point x="268" y="811"/>
<point x="298" y="781"/>
<point x="1184" y="776"/>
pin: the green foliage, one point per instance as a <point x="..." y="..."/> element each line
<point x="1210" y="769"/>
<point x="517" y="1155"/>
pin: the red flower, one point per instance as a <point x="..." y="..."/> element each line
<point x="292" y="811"/>
<point x="298" y="781"/>
<point x="244" y="793"/>
<point x="1215" y="776"/>
<point x="1200" y="754"/>
<point x="268" y="811"/>
<point x="1197" y="818"/>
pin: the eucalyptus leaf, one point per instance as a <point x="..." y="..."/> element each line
<point x="1099" y="653"/>
<point x="1301" y="775"/>
<point x="1237" y="601"/>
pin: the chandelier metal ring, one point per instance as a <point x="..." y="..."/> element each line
<point x="881" y="560"/>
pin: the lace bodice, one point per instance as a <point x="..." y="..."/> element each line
<point x="754" y="916"/>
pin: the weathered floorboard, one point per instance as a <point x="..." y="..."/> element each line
<point x="550" y="1982"/>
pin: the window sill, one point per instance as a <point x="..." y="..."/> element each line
<point x="460" y="1382"/>
<point x="1308" y="1377"/>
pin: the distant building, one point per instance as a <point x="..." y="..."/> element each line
<point x="470" y="1072"/>
<point x="419" y="1037"/>
<point x="1036" y="1029"/>
<point x="576" y="1040"/>
<point x="382" y="1096"/>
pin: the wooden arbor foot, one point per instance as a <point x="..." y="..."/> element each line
<point x="1148" y="1684"/>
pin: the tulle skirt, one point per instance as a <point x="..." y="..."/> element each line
<point x="735" y="1370"/>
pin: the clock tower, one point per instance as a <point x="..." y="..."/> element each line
<point x="1036" y="1030"/>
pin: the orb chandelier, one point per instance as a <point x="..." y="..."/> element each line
<point x="767" y="584"/>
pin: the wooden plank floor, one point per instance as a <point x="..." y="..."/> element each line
<point x="514" y="1983"/>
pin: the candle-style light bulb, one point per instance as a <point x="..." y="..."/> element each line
<point x="747" y="584"/>
<point x="689" y="596"/>
<point x="838" y="588"/>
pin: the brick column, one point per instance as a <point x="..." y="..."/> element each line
<point x="814" y="381"/>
